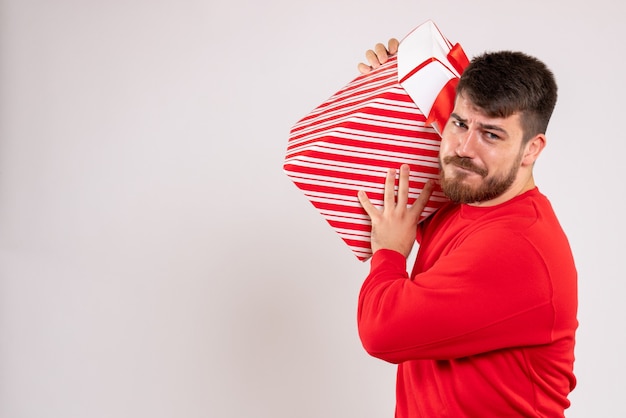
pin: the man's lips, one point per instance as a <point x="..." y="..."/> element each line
<point x="465" y="169"/>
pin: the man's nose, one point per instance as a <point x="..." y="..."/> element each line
<point x="466" y="147"/>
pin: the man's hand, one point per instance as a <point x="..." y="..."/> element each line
<point x="393" y="226"/>
<point x="379" y="55"/>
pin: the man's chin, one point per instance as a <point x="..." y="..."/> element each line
<point x="460" y="191"/>
<point x="466" y="182"/>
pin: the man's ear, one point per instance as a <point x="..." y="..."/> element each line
<point x="533" y="148"/>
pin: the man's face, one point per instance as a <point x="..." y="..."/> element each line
<point x="480" y="157"/>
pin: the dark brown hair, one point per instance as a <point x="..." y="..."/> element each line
<point x="505" y="82"/>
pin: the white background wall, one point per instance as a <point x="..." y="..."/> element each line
<point x="156" y="262"/>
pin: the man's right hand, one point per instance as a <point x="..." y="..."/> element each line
<point x="379" y="55"/>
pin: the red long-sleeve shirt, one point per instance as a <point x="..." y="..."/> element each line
<point x="484" y="326"/>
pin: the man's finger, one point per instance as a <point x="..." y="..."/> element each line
<point x="421" y="201"/>
<point x="389" y="200"/>
<point x="393" y="45"/>
<point x="370" y="209"/>
<point x="381" y="53"/>
<point x="372" y="58"/>
<point x="364" y="68"/>
<point x="403" y="186"/>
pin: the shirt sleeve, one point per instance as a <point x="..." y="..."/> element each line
<point x="492" y="291"/>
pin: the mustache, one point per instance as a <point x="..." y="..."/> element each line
<point x="465" y="163"/>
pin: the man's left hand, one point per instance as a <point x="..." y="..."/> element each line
<point x="393" y="226"/>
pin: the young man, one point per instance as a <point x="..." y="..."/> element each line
<point x="484" y="325"/>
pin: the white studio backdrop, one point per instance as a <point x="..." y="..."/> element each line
<point x="156" y="262"/>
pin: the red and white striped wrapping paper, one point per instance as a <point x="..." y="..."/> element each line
<point x="348" y="144"/>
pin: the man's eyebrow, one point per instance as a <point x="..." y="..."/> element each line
<point x="457" y="117"/>
<point x="493" y="128"/>
<point x="482" y="125"/>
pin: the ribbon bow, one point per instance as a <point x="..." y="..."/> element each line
<point x="444" y="102"/>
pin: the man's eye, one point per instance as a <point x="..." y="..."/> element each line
<point x="459" y="124"/>
<point x="492" y="136"/>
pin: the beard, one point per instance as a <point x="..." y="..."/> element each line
<point x="490" y="188"/>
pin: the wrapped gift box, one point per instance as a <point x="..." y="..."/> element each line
<point x="379" y="121"/>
